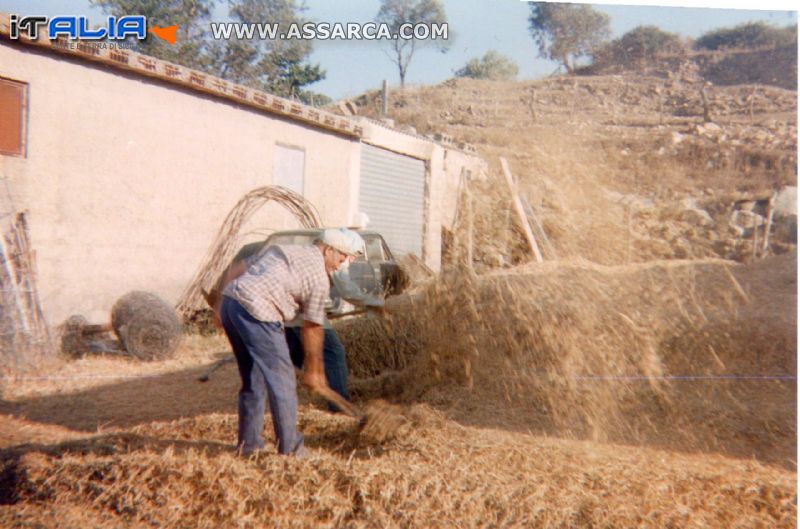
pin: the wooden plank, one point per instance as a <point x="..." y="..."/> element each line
<point x="540" y="229"/>
<point x="470" y="221"/>
<point x="11" y="272"/>
<point x="27" y="271"/>
<point x="770" y="216"/>
<point x="517" y="203"/>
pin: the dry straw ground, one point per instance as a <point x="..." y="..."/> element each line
<point x="525" y="437"/>
<point x="444" y="475"/>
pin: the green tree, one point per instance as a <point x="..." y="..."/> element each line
<point x="191" y="15"/>
<point x="277" y="66"/>
<point x="566" y="32"/>
<point x="492" y="65"/>
<point x="642" y="43"/>
<point x="396" y="13"/>
<point x="748" y="35"/>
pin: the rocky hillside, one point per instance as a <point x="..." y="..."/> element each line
<point x="624" y="168"/>
<point x="772" y="66"/>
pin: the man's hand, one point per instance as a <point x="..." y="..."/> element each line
<point x="216" y="321"/>
<point x="378" y="310"/>
<point x="314" y="379"/>
<point x="214" y="300"/>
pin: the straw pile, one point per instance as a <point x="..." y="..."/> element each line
<point x="608" y="353"/>
<point x="184" y="474"/>
<point x="375" y="345"/>
<point x="503" y="364"/>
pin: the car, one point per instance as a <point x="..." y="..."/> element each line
<point x="375" y="271"/>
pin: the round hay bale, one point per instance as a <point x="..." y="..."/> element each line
<point x="147" y="326"/>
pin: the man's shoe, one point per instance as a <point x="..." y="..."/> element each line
<point x="301" y="453"/>
<point x="247" y="452"/>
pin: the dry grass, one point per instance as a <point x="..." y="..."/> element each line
<point x="634" y="354"/>
<point x="64" y="376"/>
<point x="443" y="475"/>
<point x="502" y="438"/>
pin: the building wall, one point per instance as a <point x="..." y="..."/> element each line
<point x="444" y="169"/>
<point x="127" y="179"/>
<point x="456" y="163"/>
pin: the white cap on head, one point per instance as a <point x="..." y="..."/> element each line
<point x="345" y="241"/>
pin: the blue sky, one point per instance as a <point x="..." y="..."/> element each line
<point x="475" y="26"/>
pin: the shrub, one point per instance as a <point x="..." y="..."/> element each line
<point x="642" y="43"/>
<point x="748" y="35"/>
<point x="492" y="66"/>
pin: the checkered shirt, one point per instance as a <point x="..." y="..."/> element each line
<point x="282" y="280"/>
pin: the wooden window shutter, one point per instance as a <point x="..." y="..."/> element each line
<point x="12" y="117"/>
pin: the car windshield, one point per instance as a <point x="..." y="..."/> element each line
<point x="292" y="238"/>
<point x="374" y="248"/>
<point x="373" y="244"/>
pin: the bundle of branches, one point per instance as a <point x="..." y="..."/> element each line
<point x="24" y="335"/>
<point x="224" y="247"/>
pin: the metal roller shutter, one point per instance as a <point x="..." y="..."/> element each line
<point x="392" y="194"/>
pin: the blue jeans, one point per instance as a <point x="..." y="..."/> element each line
<point x="266" y="372"/>
<point x="333" y="357"/>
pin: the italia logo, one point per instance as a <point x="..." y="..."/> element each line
<point x="77" y="27"/>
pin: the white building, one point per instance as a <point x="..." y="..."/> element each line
<point x="125" y="167"/>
